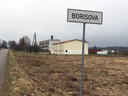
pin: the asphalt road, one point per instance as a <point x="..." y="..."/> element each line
<point x="3" y="59"/>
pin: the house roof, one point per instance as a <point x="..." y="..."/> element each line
<point x="68" y="41"/>
<point x="50" y="40"/>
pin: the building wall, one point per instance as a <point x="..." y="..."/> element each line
<point x="58" y="48"/>
<point x="47" y="44"/>
<point x="51" y="42"/>
<point x="72" y="47"/>
<point x="44" y="45"/>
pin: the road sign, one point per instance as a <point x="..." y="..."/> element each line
<point x="84" y="16"/>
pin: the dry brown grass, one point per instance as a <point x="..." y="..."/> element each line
<point x="59" y="75"/>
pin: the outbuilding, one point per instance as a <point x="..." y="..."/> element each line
<point x="69" y="47"/>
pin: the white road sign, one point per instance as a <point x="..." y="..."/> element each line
<point x="84" y="16"/>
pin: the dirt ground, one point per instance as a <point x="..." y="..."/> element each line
<point x="60" y="75"/>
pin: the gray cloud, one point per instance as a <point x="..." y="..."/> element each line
<point x="20" y="18"/>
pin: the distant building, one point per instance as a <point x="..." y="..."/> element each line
<point x="111" y="51"/>
<point x="104" y="50"/>
<point x="102" y="53"/>
<point x="46" y="45"/>
<point x="93" y="51"/>
<point x="70" y="47"/>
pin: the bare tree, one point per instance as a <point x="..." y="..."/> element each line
<point x="13" y="45"/>
<point x="24" y="43"/>
<point x="3" y="45"/>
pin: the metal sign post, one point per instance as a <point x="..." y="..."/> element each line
<point x="84" y="16"/>
<point x="81" y="88"/>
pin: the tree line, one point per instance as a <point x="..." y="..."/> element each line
<point x="24" y="44"/>
<point x="3" y="44"/>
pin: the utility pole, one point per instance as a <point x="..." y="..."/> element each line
<point x="34" y="44"/>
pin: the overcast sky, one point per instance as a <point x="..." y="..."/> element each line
<point x="20" y="18"/>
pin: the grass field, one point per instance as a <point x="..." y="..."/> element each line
<point x="59" y="75"/>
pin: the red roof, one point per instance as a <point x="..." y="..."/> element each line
<point x="67" y="41"/>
